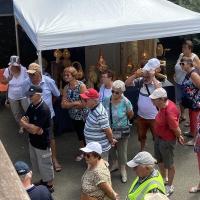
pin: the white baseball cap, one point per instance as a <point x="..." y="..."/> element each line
<point x="158" y="93"/>
<point x="157" y="196"/>
<point x="152" y="64"/>
<point x="92" y="147"/>
<point x="14" y="61"/>
<point x="142" y="158"/>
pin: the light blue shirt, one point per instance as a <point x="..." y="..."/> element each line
<point x="49" y="89"/>
<point x="104" y="93"/>
<point x="119" y="112"/>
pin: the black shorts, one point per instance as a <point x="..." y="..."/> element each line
<point x="79" y="128"/>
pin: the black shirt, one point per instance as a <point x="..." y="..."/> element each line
<point x="40" y="116"/>
<point x="39" y="192"/>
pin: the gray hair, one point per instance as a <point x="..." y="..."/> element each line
<point x="24" y="176"/>
<point x="118" y="84"/>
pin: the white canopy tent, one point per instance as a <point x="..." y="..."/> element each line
<point x="56" y="24"/>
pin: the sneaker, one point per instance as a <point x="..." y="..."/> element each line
<point x="169" y="190"/>
<point x="123" y="176"/>
<point x="21" y="130"/>
<point x="79" y="157"/>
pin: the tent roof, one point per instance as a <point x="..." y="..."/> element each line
<point x="56" y="24"/>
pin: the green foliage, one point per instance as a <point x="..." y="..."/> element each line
<point x="193" y="5"/>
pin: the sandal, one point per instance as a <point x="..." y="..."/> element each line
<point x="194" y="189"/>
<point x="57" y="167"/>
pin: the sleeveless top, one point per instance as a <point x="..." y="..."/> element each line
<point x="74" y="95"/>
<point x="190" y="90"/>
<point x="180" y="74"/>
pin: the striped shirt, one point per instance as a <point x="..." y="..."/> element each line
<point x="96" y="121"/>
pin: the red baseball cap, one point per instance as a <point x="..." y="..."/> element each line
<point x="91" y="93"/>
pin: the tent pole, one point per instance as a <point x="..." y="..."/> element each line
<point x="39" y="53"/>
<point x="17" y="37"/>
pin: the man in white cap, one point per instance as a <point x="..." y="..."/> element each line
<point x="148" y="179"/>
<point x="145" y="81"/>
<point x="167" y="131"/>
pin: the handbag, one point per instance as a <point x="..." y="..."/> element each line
<point x="119" y="133"/>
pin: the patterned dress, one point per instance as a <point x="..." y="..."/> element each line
<point x="191" y="91"/>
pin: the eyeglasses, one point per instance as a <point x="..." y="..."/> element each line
<point x="115" y="92"/>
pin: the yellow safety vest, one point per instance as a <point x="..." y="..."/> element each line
<point x="146" y="187"/>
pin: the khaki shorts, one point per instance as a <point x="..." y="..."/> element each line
<point x="41" y="161"/>
<point x="164" y="152"/>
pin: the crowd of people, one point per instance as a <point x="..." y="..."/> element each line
<point x="102" y="123"/>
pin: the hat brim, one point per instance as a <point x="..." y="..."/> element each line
<point x="86" y="150"/>
<point x="132" y="164"/>
<point x="29" y="93"/>
<point x="14" y="64"/>
<point x="84" y="96"/>
<point x="146" y="67"/>
<point x="31" y="71"/>
<point x="153" y="97"/>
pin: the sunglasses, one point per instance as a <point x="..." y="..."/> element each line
<point x="185" y="63"/>
<point x="32" y="75"/>
<point x="115" y="92"/>
<point x="87" y="155"/>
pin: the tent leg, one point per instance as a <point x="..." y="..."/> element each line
<point x="17" y="37"/>
<point x="39" y="53"/>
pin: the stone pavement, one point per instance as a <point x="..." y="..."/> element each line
<point x="67" y="182"/>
